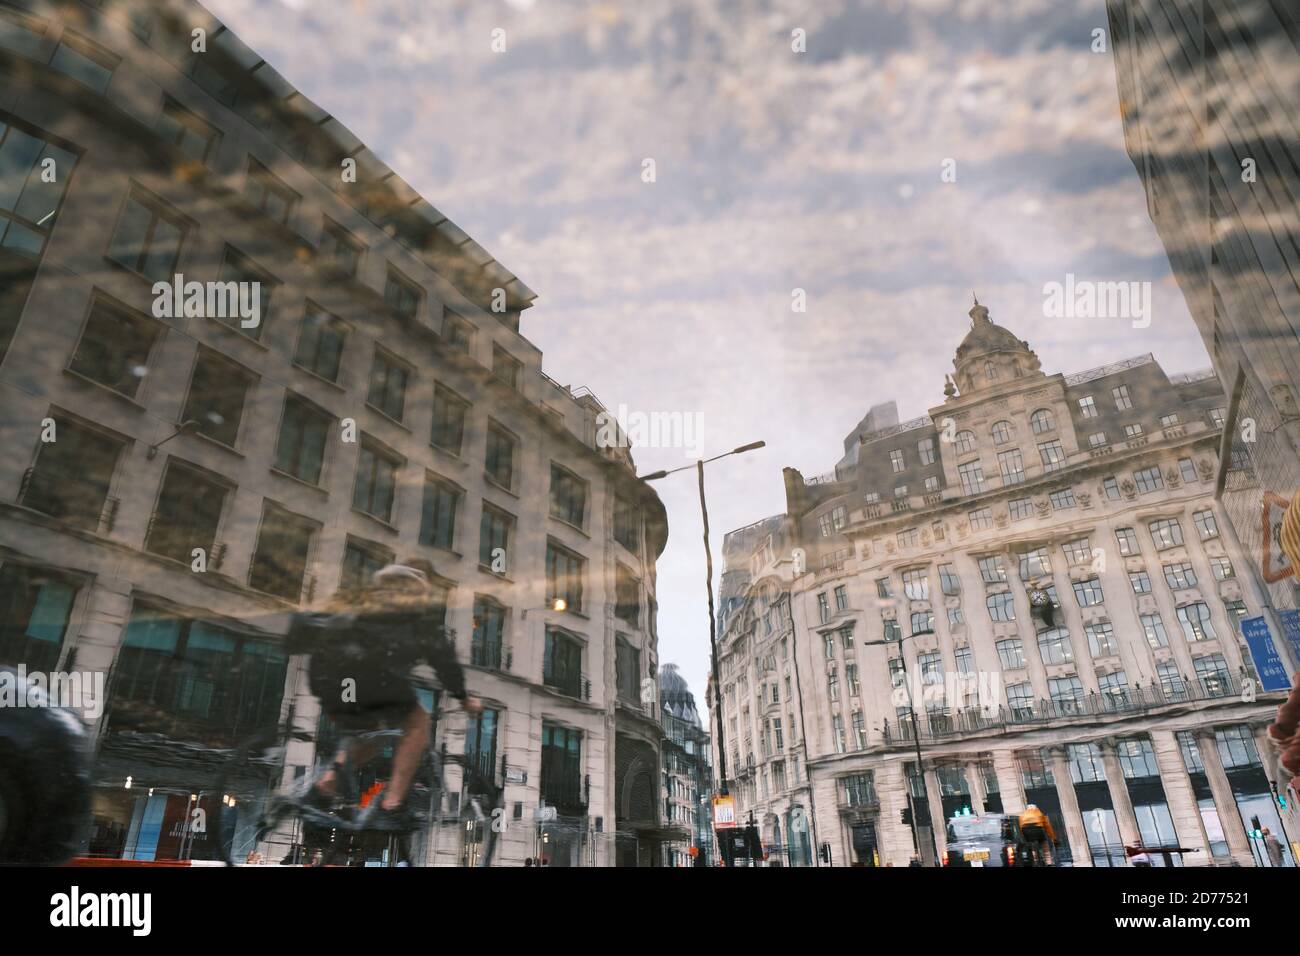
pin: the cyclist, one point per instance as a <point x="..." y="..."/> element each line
<point x="1037" y="830"/>
<point x="362" y="647"/>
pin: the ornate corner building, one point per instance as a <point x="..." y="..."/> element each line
<point x="879" y="650"/>
<point x="176" y="485"/>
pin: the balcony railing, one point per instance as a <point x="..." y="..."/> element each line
<point x="934" y="726"/>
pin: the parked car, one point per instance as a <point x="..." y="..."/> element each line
<point x="45" y="758"/>
<point x="993" y="839"/>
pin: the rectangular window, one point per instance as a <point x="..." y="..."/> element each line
<point x="87" y="63"/>
<point x="1001" y="606"/>
<point x="280" y="561"/>
<point x="1132" y="431"/>
<point x="627" y="671"/>
<point x="909" y="538"/>
<point x="992" y="570"/>
<point x="1222" y="568"/>
<point x="568" y="496"/>
<point x="627" y="596"/>
<point x="1148" y="479"/>
<point x="955" y="617"/>
<point x="376" y="482"/>
<point x="823" y="608"/>
<point x="1180" y="575"/>
<point x="402" y="295"/>
<point x="115" y="347"/>
<point x="565" y="572"/>
<point x="1011" y="653"/>
<point x="1154" y="629"/>
<point x="896" y="460"/>
<point x="449" y="412"/>
<point x="320" y="343"/>
<point x="35" y="606"/>
<point x="267" y="192"/>
<point x="148" y="238"/>
<point x="1053" y="455"/>
<point x="1141" y="582"/>
<point x="240" y="269"/>
<point x="1166" y="533"/>
<point x="388" y="386"/>
<point x="1111" y="487"/>
<point x="922" y="622"/>
<point x="1021" y="508"/>
<point x="505" y="367"/>
<point x="1101" y="639"/>
<point x="438" y="514"/>
<point x="1062" y="500"/>
<point x="1128" y="542"/>
<point x="842" y="597"/>
<point x="972" y="477"/>
<point x="499" y="461"/>
<point x="1169" y="420"/>
<point x="188" y="511"/>
<point x="71" y="478"/>
<point x="340" y="248"/>
<point x="1035" y="564"/>
<point x="457" y="332"/>
<point x="217" y="393"/>
<point x="892" y="631"/>
<point x="1218" y="417"/>
<point x="361" y="559"/>
<point x="916" y="584"/>
<point x="1097" y="440"/>
<point x="1187" y="469"/>
<point x="1088" y="407"/>
<point x="481" y="741"/>
<point x="1012" y="467"/>
<point x="1212" y="672"/>
<point x="304" y="429"/>
<point x="981" y="519"/>
<point x="883" y="588"/>
<point x="1206" y="526"/>
<point x="1078" y="551"/>
<point x="1121" y="396"/>
<point x="1088" y="593"/>
<point x="965" y="662"/>
<point x="949" y="582"/>
<point x="627" y="523"/>
<point x="931" y="483"/>
<point x="1066" y="693"/>
<point x="1054" y="646"/>
<point x="184" y="130"/>
<point x="562" y="663"/>
<point x="925" y="448"/>
<point x="495" y="528"/>
<point x="1196" y="623"/>
<point x="1020" y="700"/>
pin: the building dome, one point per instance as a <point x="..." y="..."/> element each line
<point x="675" y="695"/>
<point x="989" y="354"/>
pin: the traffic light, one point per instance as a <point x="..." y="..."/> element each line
<point x="824" y="852"/>
<point x="1255" y="829"/>
<point x="1280" y="795"/>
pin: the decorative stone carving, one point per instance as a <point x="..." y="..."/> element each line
<point x="1172" y="478"/>
<point x="1085" y="499"/>
<point x="1205" y="469"/>
<point x="1044" y="507"/>
<point x="1130" y="490"/>
<point x="1002" y="521"/>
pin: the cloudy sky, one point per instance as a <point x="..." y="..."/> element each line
<point x="774" y="170"/>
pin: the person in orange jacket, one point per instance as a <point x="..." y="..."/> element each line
<point x="1037" y="830"/>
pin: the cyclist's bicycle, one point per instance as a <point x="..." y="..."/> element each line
<point x="336" y="834"/>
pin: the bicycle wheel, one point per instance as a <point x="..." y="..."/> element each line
<point x="242" y="781"/>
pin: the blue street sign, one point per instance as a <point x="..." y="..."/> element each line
<point x="1291" y="632"/>
<point x="1268" y="663"/>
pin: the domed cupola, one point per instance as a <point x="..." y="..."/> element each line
<point x="990" y="354"/>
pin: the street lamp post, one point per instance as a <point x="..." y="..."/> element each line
<point x="708" y="565"/>
<point x="916" y="734"/>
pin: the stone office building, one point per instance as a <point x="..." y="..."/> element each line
<point x="890" y="608"/>
<point x="687" y="776"/>
<point x="1207" y="94"/>
<point x="176" y="485"/>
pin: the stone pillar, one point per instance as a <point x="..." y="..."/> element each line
<point x="1119" y="798"/>
<point x="1180" y="798"/>
<point x="937" y="822"/>
<point x="1012" y="793"/>
<point x="1234" y="831"/>
<point x="975" y="780"/>
<point x="1071" y="818"/>
<point x="893" y="836"/>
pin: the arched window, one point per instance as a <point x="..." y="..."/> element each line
<point x="965" y="441"/>
<point x="1042" y="421"/>
<point x="1001" y="433"/>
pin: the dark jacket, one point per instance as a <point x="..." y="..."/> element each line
<point x="380" y="644"/>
